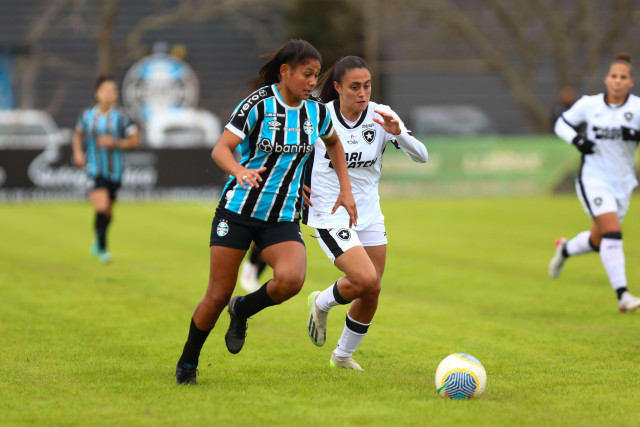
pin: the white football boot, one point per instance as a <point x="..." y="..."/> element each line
<point x="317" y="324"/>
<point x="556" y="263"/>
<point x="628" y="303"/>
<point x="249" y="277"/>
<point x="344" y="362"/>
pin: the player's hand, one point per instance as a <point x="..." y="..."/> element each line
<point x="583" y="145"/>
<point x="345" y="199"/>
<point x="107" y="141"/>
<point x="78" y="159"/>
<point x="306" y="195"/>
<point x="388" y="122"/>
<point x="250" y="177"/>
<point x="630" y="134"/>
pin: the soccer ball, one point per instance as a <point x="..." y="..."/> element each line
<point x="460" y="376"/>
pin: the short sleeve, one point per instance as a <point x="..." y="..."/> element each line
<point x="244" y="118"/>
<point x="577" y="114"/>
<point x="126" y="126"/>
<point x="326" y="125"/>
<point x="80" y="124"/>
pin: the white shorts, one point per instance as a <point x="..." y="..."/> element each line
<point x="598" y="198"/>
<point x="336" y="241"/>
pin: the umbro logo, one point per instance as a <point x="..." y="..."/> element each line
<point x="274" y="125"/>
<point x="343" y="234"/>
<point x="369" y="135"/>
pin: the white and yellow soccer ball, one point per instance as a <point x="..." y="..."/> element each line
<point x="460" y="376"/>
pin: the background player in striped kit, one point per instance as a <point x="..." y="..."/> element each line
<point x="607" y="174"/>
<point x="106" y="131"/>
<point x="360" y="252"/>
<point x="251" y="269"/>
<point x="276" y="127"/>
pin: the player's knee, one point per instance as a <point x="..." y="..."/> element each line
<point x="375" y="290"/>
<point x="289" y="283"/>
<point x="217" y="299"/>
<point x="365" y="281"/>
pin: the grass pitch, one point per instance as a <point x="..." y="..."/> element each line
<point x="87" y="344"/>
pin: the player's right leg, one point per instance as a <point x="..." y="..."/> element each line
<point x="594" y="198"/>
<point x="228" y="244"/>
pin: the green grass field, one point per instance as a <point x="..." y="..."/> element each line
<point x="87" y="344"/>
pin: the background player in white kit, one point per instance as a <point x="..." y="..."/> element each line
<point x="607" y="174"/>
<point x="360" y="252"/>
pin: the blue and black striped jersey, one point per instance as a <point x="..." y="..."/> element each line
<point x="280" y="138"/>
<point x="107" y="163"/>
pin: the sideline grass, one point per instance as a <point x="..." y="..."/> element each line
<point x="86" y="344"/>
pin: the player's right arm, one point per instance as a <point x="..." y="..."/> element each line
<point x="222" y="155"/>
<point x="335" y="151"/>
<point x="566" y="124"/>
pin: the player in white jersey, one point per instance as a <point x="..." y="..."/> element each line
<point x="360" y="251"/>
<point x="607" y="175"/>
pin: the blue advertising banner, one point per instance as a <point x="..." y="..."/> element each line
<point x="6" y="68"/>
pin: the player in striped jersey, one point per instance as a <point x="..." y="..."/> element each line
<point x="607" y="173"/>
<point x="276" y="128"/>
<point x="106" y="132"/>
<point x="359" y="252"/>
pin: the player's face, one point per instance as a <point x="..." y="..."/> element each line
<point x="618" y="81"/>
<point x="301" y="79"/>
<point x="107" y="93"/>
<point x="354" y="89"/>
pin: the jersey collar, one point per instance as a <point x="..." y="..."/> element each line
<point x="281" y="101"/>
<point x="96" y="109"/>
<point x="363" y="115"/>
<point x="604" y="98"/>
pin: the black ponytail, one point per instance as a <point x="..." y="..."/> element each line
<point x="336" y="73"/>
<point x="293" y="52"/>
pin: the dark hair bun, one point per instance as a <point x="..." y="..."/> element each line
<point x="623" y="57"/>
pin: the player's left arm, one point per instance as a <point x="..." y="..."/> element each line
<point x="410" y="145"/>
<point x="128" y="137"/>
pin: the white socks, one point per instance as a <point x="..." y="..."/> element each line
<point x="353" y="332"/>
<point x="329" y="298"/>
<point x="352" y="335"/>
<point x="612" y="258"/>
<point x="580" y="244"/>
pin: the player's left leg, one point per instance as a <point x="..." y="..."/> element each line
<point x="606" y="230"/>
<point x="360" y="313"/>
<point x="284" y="250"/>
<point x="102" y="206"/>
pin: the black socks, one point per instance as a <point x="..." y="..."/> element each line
<point x="252" y="303"/>
<point x="192" y="347"/>
<point x="101" y="224"/>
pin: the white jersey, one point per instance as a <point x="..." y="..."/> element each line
<point x="613" y="159"/>
<point x="364" y="142"/>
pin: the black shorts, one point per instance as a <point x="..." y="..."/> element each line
<point x="238" y="231"/>
<point x="101" y="182"/>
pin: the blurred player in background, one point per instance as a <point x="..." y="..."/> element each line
<point x="276" y="127"/>
<point x="102" y="133"/>
<point x="607" y="173"/>
<point x="251" y="269"/>
<point x="360" y="251"/>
